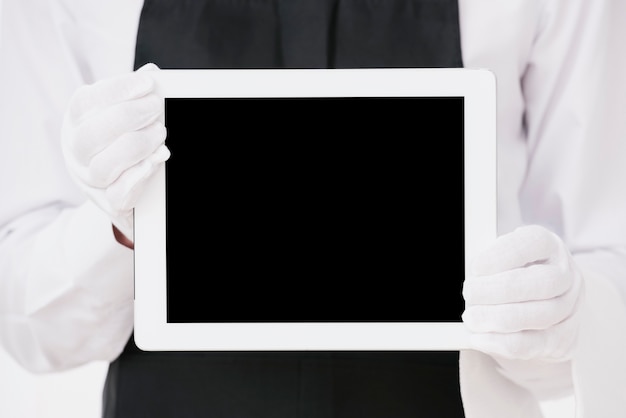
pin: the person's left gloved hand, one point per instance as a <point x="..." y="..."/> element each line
<point x="522" y="297"/>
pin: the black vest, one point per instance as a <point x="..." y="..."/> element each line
<point x="290" y="34"/>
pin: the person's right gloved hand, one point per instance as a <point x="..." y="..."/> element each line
<point x="113" y="140"/>
<point x="523" y="297"/>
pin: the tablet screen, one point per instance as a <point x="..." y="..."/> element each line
<point x="315" y="209"/>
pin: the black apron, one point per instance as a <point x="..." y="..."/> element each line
<point x="290" y="34"/>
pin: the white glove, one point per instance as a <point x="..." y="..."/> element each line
<point x="113" y="140"/>
<point x="522" y="297"/>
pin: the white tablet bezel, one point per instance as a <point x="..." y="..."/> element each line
<point x="152" y="332"/>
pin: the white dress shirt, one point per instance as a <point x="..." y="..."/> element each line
<point x="66" y="286"/>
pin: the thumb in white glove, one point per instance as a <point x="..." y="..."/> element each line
<point x="522" y="297"/>
<point x="113" y="140"/>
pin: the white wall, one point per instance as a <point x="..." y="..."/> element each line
<point x="72" y="394"/>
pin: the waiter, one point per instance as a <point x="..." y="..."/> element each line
<point x="70" y="220"/>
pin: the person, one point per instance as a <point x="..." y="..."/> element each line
<point x="82" y="132"/>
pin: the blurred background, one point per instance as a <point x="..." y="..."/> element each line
<point x="71" y="394"/>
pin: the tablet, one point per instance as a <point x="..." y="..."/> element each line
<point x="315" y="209"/>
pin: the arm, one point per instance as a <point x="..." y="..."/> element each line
<point x="571" y="187"/>
<point x="576" y="176"/>
<point x="66" y="295"/>
<point x="66" y="285"/>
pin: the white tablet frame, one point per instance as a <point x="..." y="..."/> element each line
<point x="152" y="331"/>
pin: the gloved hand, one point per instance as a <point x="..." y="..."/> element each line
<point x="522" y="298"/>
<point x="113" y="140"/>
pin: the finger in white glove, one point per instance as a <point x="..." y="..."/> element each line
<point x="522" y="297"/>
<point x="113" y="140"/>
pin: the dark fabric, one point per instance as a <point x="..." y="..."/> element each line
<point x="290" y="34"/>
<point x="299" y="33"/>
<point x="283" y="385"/>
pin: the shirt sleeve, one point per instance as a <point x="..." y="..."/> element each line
<point x="561" y="150"/>
<point x="66" y="285"/>
<point x="574" y="90"/>
<point x="575" y="177"/>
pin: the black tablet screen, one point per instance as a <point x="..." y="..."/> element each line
<point x="315" y="209"/>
